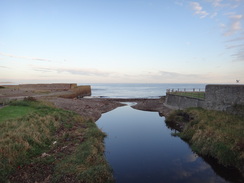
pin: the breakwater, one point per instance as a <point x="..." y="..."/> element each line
<point x="52" y="86"/>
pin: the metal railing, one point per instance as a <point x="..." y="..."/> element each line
<point x="188" y="92"/>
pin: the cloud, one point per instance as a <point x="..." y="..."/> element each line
<point x="235" y="24"/>
<point x="4" y="67"/>
<point x="175" y="75"/>
<point x="239" y="55"/>
<point x="236" y="39"/>
<point x="43" y="70"/>
<point x="25" y="57"/>
<point x="198" y="9"/>
<point x="172" y="77"/>
<point x="75" y="71"/>
<point x="221" y="3"/>
<point x="235" y="46"/>
<point x="213" y="15"/>
<point x="95" y="75"/>
<point x="217" y="3"/>
<point x="178" y="3"/>
<point x="87" y="72"/>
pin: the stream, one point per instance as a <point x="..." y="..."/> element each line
<point x="141" y="148"/>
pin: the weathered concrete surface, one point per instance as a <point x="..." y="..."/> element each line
<point x="52" y="86"/>
<point x="221" y="97"/>
<point x="182" y="102"/>
<point x="11" y="92"/>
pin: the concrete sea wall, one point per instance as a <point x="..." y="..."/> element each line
<point x="221" y="97"/>
<point x="182" y="102"/>
<point x="53" y="86"/>
<point x="68" y="90"/>
<point x="217" y="97"/>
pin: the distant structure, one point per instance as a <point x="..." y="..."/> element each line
<point x="237" y="81"/>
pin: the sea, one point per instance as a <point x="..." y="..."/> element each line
<point x="139" y="90"/>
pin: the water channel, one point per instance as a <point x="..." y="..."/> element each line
<point x="140" y="148"/>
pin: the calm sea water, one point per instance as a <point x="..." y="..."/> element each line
<point x="140" y="149"/>
<point x="138" y="90"/>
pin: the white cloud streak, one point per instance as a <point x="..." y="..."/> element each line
<point x="239" y="56"/>
<point x="74" y="71"/>
<point x="235" y="25"/>
<point x="198" y="9"/>
<point x="217" y="3"/>
<point x="172" y="77"/>
<point x="235" y="46"/>
<point x="98" y="75"/>
<point x="236" y="39"/>
<point x="25" y="57"/>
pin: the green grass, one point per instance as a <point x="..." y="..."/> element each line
<point x="11" y="112"/>
<point x="31" y="130"/>
<point x="214" y="133"/>
<point x="200" y="95"/>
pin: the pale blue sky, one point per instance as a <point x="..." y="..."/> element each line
<point x="136" y="41"/>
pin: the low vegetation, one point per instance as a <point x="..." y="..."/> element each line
<point x="200" y="95"/>
<point x="213" y="133"/>
<point x="41" y="143"/>
<point x="79" y="91"/>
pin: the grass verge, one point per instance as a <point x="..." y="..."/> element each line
<point x="12" y="112"/>
<point x="199" y="95"/>
<point x="213" y="133"/>
<point x="43" y="143"/>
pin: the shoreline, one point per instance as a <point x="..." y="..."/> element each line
<point x="88" y="107"/>
<point x="93" y="108"/>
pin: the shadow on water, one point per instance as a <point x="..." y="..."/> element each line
<point x="230" y="174"/>
<point x="141" y="148"/>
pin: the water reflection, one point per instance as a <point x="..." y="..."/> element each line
<point x="140" y="148"/>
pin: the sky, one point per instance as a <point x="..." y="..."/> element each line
<point x="121" y="41"/>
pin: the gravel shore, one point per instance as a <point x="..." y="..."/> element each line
<point x="93" y="108"/>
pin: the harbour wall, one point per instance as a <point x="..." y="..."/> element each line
<point x="52" y="86"/>
<point x="222" y="97"/>
<point x="217" y="97"/>
<point x="182" y="102"/>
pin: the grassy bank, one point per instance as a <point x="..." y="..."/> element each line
<point x="213" y="133"/>
<point x="41" y="143"/>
